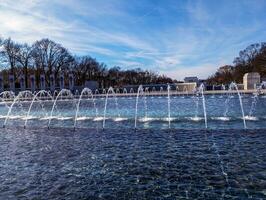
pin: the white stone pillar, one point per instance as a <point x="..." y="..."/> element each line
<point x="1" y="83"/>
<point x="62" y="81"/>
<point x="11" y="80"/>
<point x="42" y="82"/>
<point x="71" y="81"/>
<point x="32" y="83"/>
<point x="52" y="82"/>
<point x="22" y="82"/>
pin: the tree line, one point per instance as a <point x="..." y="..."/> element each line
<point x="46" y="57"/>
<point x="251" y="59"/>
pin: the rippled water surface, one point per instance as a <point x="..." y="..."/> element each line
<point x="125" y="164"/>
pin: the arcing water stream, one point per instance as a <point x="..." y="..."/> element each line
<point x="149" y="106"/>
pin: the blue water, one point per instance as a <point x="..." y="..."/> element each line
<point x="124" y="164"/>
<point x="185" y="161"/>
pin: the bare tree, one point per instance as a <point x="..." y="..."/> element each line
<point x="50" y="57"/>
<point x="86" y="68"/>
<point x="24" y="58"/>
<point x="9" y="52"/>
<point x="46" y="56"/>
<point x="251" y="59"/>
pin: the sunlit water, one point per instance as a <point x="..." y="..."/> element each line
<point x="185" y="161"/>
<point x="125" y="164"/>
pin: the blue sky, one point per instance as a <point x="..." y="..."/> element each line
<point x="174" y="37"/>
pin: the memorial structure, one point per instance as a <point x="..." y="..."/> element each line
<point x="32" y="83"/>
<point x="22" y="82"/>
<point x="251" y="80"/>
<point x="42" y="82"/>
<point x="71" y="82"/>
<point x="52" y="82"/>
<point x="1" y="83"/>
<point x="11" y="80"/>
<point x="62" y="81"/>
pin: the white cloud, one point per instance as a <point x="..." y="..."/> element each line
<point x="25" y="26"/>
<point x="130" y="64"/>
<point x="177" y="50"/>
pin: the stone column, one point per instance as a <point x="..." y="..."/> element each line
<point x="22" y="82"/>
<point x="1" y="83"/>
<point x="102" y="85"/>
<point x="52" y="82"/>
<point x="42" y="82"/>
<point x="11" y="80"/>
<point x="71" y="81"/>
<point x="32" y="83"/>
<point x="62" y="81"/>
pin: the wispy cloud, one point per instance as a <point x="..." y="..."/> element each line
<point x="177" y="38"/>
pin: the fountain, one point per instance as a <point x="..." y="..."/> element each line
<point x="223" y="87"/>
<point x="262" y="89"/>
<point x="212" y="164"/>
<point x="124" y="91"/>
<point x="76" y="93"/>
<point x="55" y="94"/>
<point x="131" y="91"/>
<point x="234" y="85"/>
<point x="27" y="109"/>
<point x="225" y="117"/>
<point x="253" y="107"/>
<point x="201" y="90"/>
<point x="49" y="93"/>
<point x="63" y="93"/>
<point x="169" y="105"/>
<point x="42" y="97"/>
<point x="146" y="90"/>
<point x="7" y="95"/>
<point x="116" y="105"/>
<point x="140" y="91"/>
<point x="251" y="116"/>
<point x="196" y="101"/>
<point x="19" y="97"/>
<point x="87" y="92"/>
<point x="117" y="90"/>
<point x="199" y="93"/>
